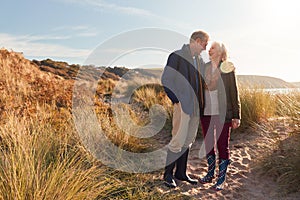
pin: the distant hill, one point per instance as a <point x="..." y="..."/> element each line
<point x="263" y="82"/>
<point x="296" y="84"/>
<point x="66" y="71"/>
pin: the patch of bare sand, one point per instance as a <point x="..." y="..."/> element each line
<point x="243" y="181"/>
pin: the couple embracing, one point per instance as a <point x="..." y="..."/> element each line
<point x="201" y="93"/>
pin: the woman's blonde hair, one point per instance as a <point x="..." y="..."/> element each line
<point x="222" y="50"/>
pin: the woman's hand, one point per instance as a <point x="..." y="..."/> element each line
<point x="236" y="123"/>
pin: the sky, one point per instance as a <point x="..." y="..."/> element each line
<point x="262" y="36"/>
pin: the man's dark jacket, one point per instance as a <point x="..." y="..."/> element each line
<point x="179" y="79"/>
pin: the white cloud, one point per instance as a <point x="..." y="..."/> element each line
<point x="32" y="38"/>
<point x="76" y="31"/>
<point x="167" y="22"/>
<point x="30" y="48"/>
<point x="87" y="34"/>
<point x="79" y="27"/>
<point x="100" y="4"/>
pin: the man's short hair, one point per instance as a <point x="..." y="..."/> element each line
<point x="199" y="34"/>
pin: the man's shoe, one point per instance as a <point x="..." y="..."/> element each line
<point x="169" y="181"/>
<point x="187" y="179"/>
<point x="170" y="165"/>
<point x="181" y="165"/>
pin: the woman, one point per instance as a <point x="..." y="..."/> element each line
<point x="221" y="112"/>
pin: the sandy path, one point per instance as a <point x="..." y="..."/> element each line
<point x="243" y="180"/>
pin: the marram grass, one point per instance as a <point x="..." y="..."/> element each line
<point x="42" y="158"/>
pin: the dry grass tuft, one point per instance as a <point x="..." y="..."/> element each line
<point x="283" y="163"/>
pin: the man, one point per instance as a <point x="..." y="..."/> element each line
<point x="182" y="82"/>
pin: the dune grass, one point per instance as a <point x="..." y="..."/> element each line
<point x="152" y="94"/>
<point x="284" y="162"/>
<point x="256" y="106"/>
<point x="42" y="158"/>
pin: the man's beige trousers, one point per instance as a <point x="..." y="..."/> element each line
<point x="184" y="130"/>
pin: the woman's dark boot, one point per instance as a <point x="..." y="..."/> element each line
<point x="223" y="164"/>
<point x="211" y="161"/>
